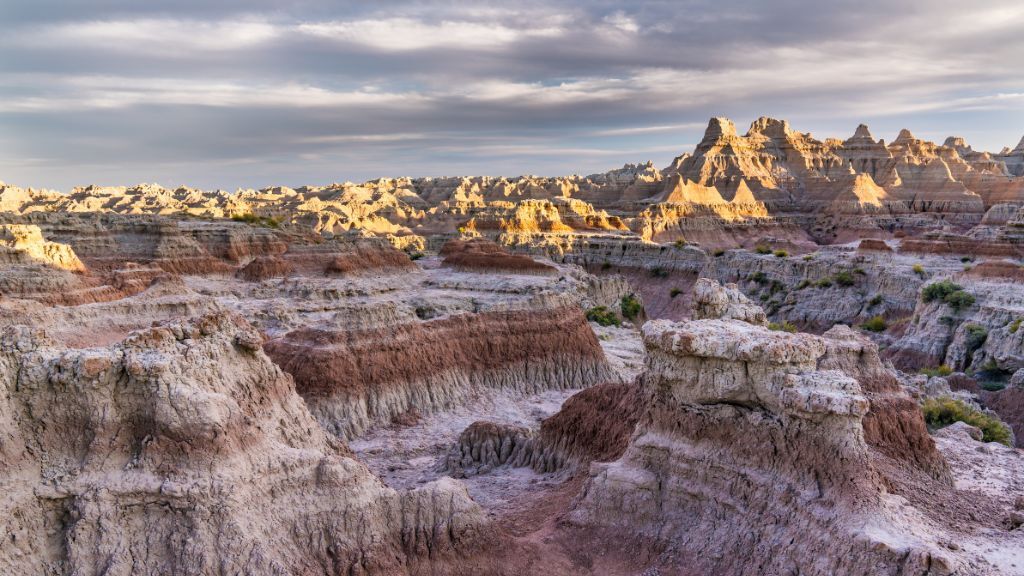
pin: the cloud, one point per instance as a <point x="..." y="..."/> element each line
<point x="159" y="36"/>
<point x="405" y="34"/>
<point x="224" y="93"/>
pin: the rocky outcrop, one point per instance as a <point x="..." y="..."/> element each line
<point x="594" y="425"/>
<point x="184" y="450"/>
<point x="712" y="300"/>
<point x="754" y="457"/>
<point x="352" y="379"/>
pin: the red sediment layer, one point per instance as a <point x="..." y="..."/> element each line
<point x="327" y="362"/>
<point x="484" y="255"/>
<point x="997" y="269"/>
<point x="366" y="257"/>
<point x="595" y="424"/>
<point x="961" y="246"/>
<point x="265" y="267"/>
<point x="895" y="426"/>
<point x="873" y="244"/>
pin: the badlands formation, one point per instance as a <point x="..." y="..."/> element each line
<point x="776" y="355"/>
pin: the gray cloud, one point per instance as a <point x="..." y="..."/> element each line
<point x="231" y="93"/>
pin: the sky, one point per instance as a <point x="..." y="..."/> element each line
<point x="252" y="93"/>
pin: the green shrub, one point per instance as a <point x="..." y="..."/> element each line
<point x="959" y="300"/>
<point x="759" y="277"/>
<point x="803" y="284"/>
<point x="1015" y="325"/>
<point x="823" y="283"/>
<point x="762" y="249"/>
<point x="939" y="290"/>
<point x="679" y="243"/>
<point x="876" y="300"/>
<point x="659" y="272"/>
<point x="967" y="259"/>
<point x="785" y="326"/>
<point x="844" y="278"/>
<point x="250" y="218"/>
<point x="875" y="324"/>
<point x="631" y="307"/>
<point x="415" y="255"/>
<point x="918" y="269"/>
<point x="942" y="370"/>
<point x="975" y="337"/>
<point x="941" y="412"/>
<point x="989" y="386"/>
<point x="603" y="316"/>
<point x="860" y="271"/>
<point x="808" y="257"/>
<point x="674" y="292"/>
<point x="606" y="265"/>
<point x="781" y="253"/>
<point x="718" y="253"/>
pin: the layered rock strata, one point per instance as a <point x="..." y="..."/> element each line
<point x="352" y="379"/>
<point x="757" y="455"/>
<point x="184" y="450"/>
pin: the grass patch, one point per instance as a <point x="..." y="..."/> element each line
<point x="941" y="412"/>
<point x="844" y="278"/>
<point x="631" y="307"/>
<point x="918" y="269"/>
<point x="603" y="316"/>
<point x="762" y="249"/>
<point x="785" y="326"/>
<point x="253" y="219"/>
<point x="780" y="253"/>
<point x="942" y="371"/>
<point x="875" y="324"/>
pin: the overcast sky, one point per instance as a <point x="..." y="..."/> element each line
<point x="250" y="93"/>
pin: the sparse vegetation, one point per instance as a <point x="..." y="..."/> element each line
<point x="975" y="336"/>
<point x="253" y="219"/>
<point x="679" y="243"/>
<point x="942" y="370"/>
<point x="758" y="277"/>
<point x="1015" y="325"/>
<point x="844" y="278"/>
<point x="659" y="272"/>
<point x="939" y="290"/>
<point x="803" y="284"/>
<point x="603" y="316"/>
<point x="959" y="300"/>
<point x="808" y="257"/>
<point x="718" y="253"/>
<point x="781" y="253"/>
<point x="875" y="324"/>
<point x="785" y="326"/>
<point x="606" y="265"/>
<point x="941" y="412"/>
<point x="674" y="292"/>
<point x="876" y="300"/>
<point x="950" y="293"/>
<point x="762" y="249"/>
<point x="415" y="256"/>
<point x="918" y="269"/>
<point x="823" y="283"/>
<point x="631" y="307"/>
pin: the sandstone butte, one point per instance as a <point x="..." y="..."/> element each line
<point x="776" y="355"/>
